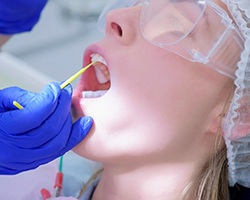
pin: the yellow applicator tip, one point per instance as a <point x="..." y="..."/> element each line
<point x="72" y="78"/>
<point x="15" y="103"/>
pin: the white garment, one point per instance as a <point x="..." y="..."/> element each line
<point x="27" y="185"/>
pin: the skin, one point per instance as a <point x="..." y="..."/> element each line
<point x="155" y="128"/>
<point x="3" y="39"/>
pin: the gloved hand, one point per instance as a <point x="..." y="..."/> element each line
<point x="19" y="15"/>
<point x="41" y="131"/>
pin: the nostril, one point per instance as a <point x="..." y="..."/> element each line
<point x="117" y="28"/>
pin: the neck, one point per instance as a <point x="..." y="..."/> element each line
<point x="156" y="181"/>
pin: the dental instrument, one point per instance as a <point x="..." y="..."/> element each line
<point x="72" y="78"/>
<point x="15" y="103"/>
<point x="59" y="179"/>
<point x="46" y="195"/>
<point x="64" y="84"/>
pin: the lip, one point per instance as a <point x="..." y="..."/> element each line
<point x="90" y="50"/>
<point x="88" y="80"/>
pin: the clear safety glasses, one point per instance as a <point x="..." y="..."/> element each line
<point x="197" y="30"/>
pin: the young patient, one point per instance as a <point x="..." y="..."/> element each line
<point x="169" y="71"/>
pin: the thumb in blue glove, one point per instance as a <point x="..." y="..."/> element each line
<point x="39" y="133"/>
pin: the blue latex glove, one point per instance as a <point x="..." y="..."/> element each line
<point x="19" y="15"/>
<point x="41" y="131"/>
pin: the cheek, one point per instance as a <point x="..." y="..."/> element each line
<point x="124" y="147"/>
<point x="147" y="70"/>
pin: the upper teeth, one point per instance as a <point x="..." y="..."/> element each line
<point x="97" y="58"/>
<point x="101" y="68"/>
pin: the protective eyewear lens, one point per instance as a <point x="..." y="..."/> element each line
<point x="197" y="30"/>
<point x="169" y="21"/>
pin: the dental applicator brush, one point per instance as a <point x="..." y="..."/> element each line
<point x="72" y="78"/>
<point x="64" y="84"/>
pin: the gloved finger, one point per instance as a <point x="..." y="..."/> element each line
<point x="33" y="115"/>
<point x="58" y="125"/>
<point x="44" y="154"/>
<point x="50" y="128"/>
<point x="48" y="99"/>
<point x="8" y="95"/>
<point x="79" y="131"/>
<point x="44" y="103"/>
<point x="62" y="143"/>
<point x="8" y="171"/>
<point x="15" y="159"/>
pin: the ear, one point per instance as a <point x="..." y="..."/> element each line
<point x="215" y="124"/>
<point x="220" y="109"/>
<point x="217" y="115"/>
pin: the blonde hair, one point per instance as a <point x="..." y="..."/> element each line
<point x="212" y="184"/>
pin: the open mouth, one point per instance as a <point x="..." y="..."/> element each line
<point x="102" y="77"/>
<point x="94" y="83"/>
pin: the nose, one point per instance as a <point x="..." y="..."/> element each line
<point x="123" y="24"/>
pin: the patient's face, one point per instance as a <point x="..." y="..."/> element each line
<point x="157" y="103"/>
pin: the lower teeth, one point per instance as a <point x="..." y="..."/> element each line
<point x="93" y="94"/>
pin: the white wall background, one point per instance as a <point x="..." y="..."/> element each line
<point x="56" y="44"/>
